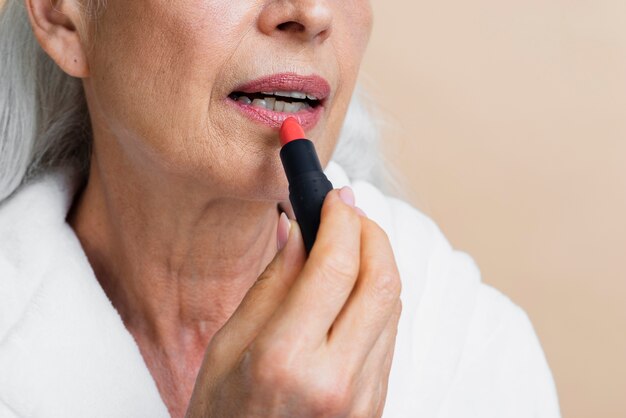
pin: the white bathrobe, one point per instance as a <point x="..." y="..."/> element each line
<point x="463" y="349"/>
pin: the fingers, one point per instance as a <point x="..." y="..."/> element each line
<point x="328" y="276"/>
<point x="267" y="293"/>
<point x="329" y="319"/>
<point x="375" y="296"/>
<point x="375" y="371"/>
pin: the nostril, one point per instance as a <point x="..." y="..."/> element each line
<point x="291" y="27"/>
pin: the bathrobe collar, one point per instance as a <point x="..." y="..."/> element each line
<point x="63" y="347"/>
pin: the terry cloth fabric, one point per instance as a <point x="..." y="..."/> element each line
<point x="463" y="349"/>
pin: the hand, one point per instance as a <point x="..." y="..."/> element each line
<point x="312" y="337"/>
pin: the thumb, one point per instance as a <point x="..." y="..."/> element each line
<point x="267" y="293"/>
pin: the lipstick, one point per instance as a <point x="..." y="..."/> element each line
<point x="308" y="185"/>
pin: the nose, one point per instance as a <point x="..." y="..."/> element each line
<point x="304" y="20"/>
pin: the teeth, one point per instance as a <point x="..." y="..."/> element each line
<point x="271" y="103"/>
<point x="298" y="95"/>
<point x="294" y="94"/>
<point x="279" y="106"/>
<point x="292" y="107"/>
<point x="244" y="99"/>
<point x="259" y="103"/>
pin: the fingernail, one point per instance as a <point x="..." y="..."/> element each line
<point x="282" y="232"/>
<point x="347" y="195"/>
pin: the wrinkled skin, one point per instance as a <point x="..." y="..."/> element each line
<point x="179" y="214"/>
<point x="312" y="338"/>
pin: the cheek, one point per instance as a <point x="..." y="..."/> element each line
<point x="158" y="77"/>
<point x="154" y="68"/>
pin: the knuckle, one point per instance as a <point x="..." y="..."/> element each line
<point x="382" y="266"/>
<point x="270" y="271"/>
<point x="270" y="365"/>
<point x="387" y="285"/>
<point x="271" y="278"/>
<point x="268" y="372"/>
<point x="260" y="286"/>
<point x="341" y="265"/>
<point x="333" y="398"/>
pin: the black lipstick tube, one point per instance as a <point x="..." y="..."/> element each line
<point x="308" y="186"/>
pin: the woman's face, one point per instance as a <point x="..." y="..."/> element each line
<point x="166" y="81"/>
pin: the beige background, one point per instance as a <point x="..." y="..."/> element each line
<point x="508" y="120"/>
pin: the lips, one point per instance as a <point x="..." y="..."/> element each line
<point x="272" y="99"/>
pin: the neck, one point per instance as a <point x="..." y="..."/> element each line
<point x="175" y="261"/>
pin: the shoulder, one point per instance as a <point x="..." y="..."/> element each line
<point x="32" y="232"/>
<point x="56" y="323"/>
<point x="503" y="371"/>
<point x="472" y="346"/>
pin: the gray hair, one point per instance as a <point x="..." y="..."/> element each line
<point x="44" y="120"/>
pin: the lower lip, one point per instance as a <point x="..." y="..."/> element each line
<point x="308" y="118"/>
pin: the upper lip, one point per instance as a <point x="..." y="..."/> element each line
<point x="313" y="85"/>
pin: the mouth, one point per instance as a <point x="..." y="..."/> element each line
<point x="277" y="101"/>
<point x="272" y="99"/>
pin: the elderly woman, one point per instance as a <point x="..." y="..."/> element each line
<point x="147" y="266"/>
